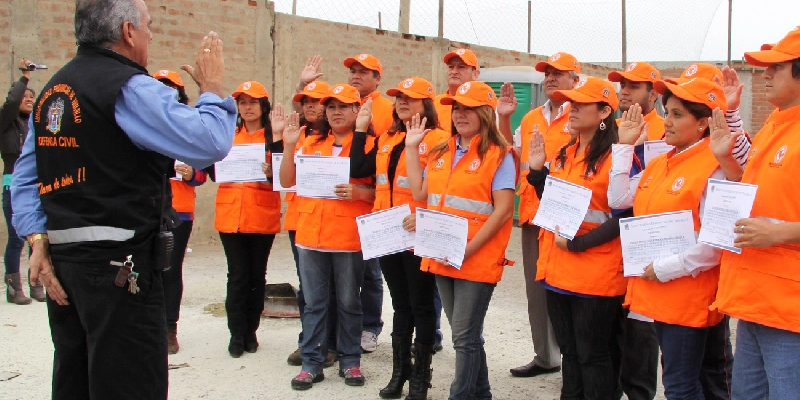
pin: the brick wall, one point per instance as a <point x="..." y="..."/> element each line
<point x="265" y="46"/>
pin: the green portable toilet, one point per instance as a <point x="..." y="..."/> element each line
<point x="527" y="83"/>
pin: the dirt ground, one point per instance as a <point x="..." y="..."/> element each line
<point x="211" y="373"/>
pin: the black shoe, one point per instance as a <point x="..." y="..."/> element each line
<point x="420" y="380"/>
<point x="531" y="370"/>
<point x="251" y="343"/>
<point x="401" y="367"/>
<point x="352" y="376"/>
<point x="305" y="380"/>
<point x="236" y="346"/>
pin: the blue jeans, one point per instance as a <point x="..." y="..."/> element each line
<point x="465" y="304"/>
<point x="682" y="351"/>
<point x="319" y="271"/>
<point x="15" y="243"/>
<point x="372" y="297"/>
<point x="301" y="302"/>
<point x="767" y="363"/>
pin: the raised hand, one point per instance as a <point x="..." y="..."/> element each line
<point x="507" y="102"/>
<point x="536" y="151"/>
<point x="631" y="128"/>
<point x="722" y="139"/>
<point x="364" y="117"/>
<point x="210" y="71"/>
<point x="310" y="72"/>
<point x="278" y="117"/>
<point x="415" y="131"/>
<point x="292" y="131"/>
<point x="732" y="87"/>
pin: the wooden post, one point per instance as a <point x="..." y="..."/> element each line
<point x="730" y="22"/>
<point x="294" y="7"/>
<point x="529" y="26"/>
<point x="441" y="19"/>
<point x="624" y="37"/>
<point x="405" y="11"/>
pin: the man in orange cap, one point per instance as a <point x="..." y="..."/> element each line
<point x="636" y="87"/>
<point x="365" y="75"/>
<point x="761" y="286"/>
<point x="551" y="119"/>
<point x="462" y="66"/>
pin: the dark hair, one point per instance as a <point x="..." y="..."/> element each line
<point x="182" y="97"/>
<point x="649" y="86"/>
<point x="488" y="131"/>
<point x="99" y="22"/>
<point x="698" y="110"/>
<point x="33" y="92"/>
<point x="322" y="128"/>
<point x="266" y="123"/>
<point x="432" y="121"/>
<point x="796" y="68"/>
<point x="599" y="147"/>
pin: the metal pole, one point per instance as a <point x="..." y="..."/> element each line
<point x="730" y="21"/>
<point x="405" y="11"/>
<point x="294" y="7"/>
<point x="441" y="19"/>
<point x="380" y="24"/>
<point x="624" y="36"/>
<point x="529" y="26"/>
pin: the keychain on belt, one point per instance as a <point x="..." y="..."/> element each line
<point x="126" y="275"/>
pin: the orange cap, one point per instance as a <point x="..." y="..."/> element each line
<point x="560" y="61"/>
<point x="636" y="72"/>
<point x="171" y="76"/>
<point x="344" y="93"/>
<point x="695" y="90"/>
<point x="466" y="55"/>
<point x="314" y="90"/>
<point x="787" y="49"/>
<point x="251" y="88"/>
<point x="590" y="90"/>
<point x="367" y="60"/>
<point x="416" y="88"/>
<point x="700" y="70"/>
<point x="472" y="94"/>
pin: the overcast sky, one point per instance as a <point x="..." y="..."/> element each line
<point x="658" y="30"/>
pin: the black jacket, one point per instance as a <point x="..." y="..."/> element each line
<point x="13" y="126"/>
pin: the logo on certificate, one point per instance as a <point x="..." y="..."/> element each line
<point x="423" y="148"/>
<point x="779" y="157"/>
<point x="475" y="164"/>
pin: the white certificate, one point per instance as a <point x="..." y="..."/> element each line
<point x="441" y="236"/>
<point x="651" y="237"/>
<point x="563" y="204"/>
<point x="276" y="174"/>
<point x="655" y="148"/>
<point x="177" y="176"/>
<point x="317" y="176"/>
<point x="382" y="232"/>
<point x="242" y="164"/>
<point x="726" y="202"/>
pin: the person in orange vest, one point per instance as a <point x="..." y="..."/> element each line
<point x="327" y="237"/>
<point x="462" y="66"/>
<point x="677" y="291"/>
<point x="311" y="112"/>
<point x="583" y="276"/>
<point x="365" y="75"/>
<point x="472" y="175"/>
<point x="248" y="215"/>
<point x="183" y="196"/>
<point x="412" y="290"/>
<point x="552" y="121"/>
<point x="760" y="286"/>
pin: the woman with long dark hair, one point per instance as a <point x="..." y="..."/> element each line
<point x="248" y="215"/>
<point x="583" y="276"/>
<point x="412" y="290"/>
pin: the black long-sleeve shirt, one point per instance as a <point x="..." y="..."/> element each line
<point x="13" y="125"/>
<point x="604" y="233"/>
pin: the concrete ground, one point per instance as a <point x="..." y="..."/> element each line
<point x="26" y="348"/>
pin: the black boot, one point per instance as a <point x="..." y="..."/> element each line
<point x="401" y="367"/>
<point x="421" y="375"/>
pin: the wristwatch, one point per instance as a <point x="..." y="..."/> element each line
<point x="36" y="236"/>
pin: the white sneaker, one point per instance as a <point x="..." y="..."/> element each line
<point x="369" y="342"/>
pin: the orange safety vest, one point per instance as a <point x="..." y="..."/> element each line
<point x="399" y="193"/>
<point x="330" y="223"/>
<point x="444" y="112"/>
<point x="655" y="125"/>
<point x="556" y="135"/>
<point x="183" y="196"/>
<point x="249" y="207"/>
<point x="465" y="190"/>
<point x="675" y="182"/>
<point x="598" y="270"/>
<point x="291" y="216"/>
<point x="763" y="285"/>
<point x="382" y="109"/>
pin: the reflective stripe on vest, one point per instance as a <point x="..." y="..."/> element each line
<point x="381" y="179"/>
<point x="433" y="199"/>
<point x="402" y="182"/>
<point x="596" y="216"/>
<point x="89" y="234"/>
<point x="476" y="206"/>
